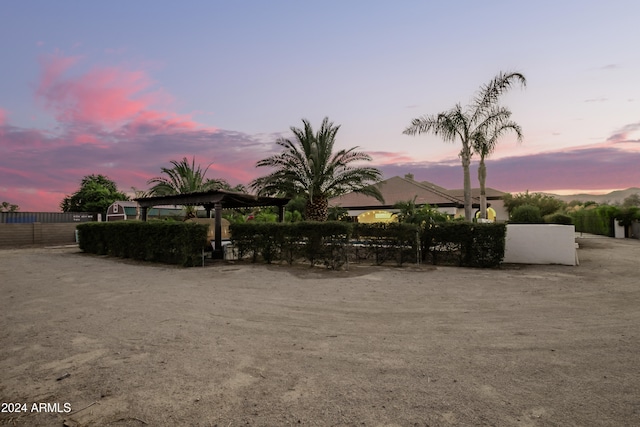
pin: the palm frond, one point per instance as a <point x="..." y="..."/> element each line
<point x="308" y="166"/>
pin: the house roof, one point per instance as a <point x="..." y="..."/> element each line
<point x="492" y="193"/>
<point x="399" y="189"/>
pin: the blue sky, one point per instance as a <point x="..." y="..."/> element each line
<point x="122" y="88"/>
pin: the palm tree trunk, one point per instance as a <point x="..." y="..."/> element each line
<point x="468" y="207"/>
<point x="317" y="209"/>
<point x="482" y="177"/>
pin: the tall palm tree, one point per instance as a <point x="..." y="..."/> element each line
<point x="466" y="123"/>
<point x="184" y="178"/>
<point x="485" y="143"/>
<point x="308" y="166"/>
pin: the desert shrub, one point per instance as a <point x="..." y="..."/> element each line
<point x="526" y="214"/>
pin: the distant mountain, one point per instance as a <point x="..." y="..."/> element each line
<point x="614" y="197"/>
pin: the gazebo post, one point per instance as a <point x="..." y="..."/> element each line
<point x="143" y="214"/>
<point x="281" y="213"/>
<point x="218" y="251"/>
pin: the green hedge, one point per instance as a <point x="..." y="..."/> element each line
<point x="595" y="221"/>
<point x="169" y="242"/>
<point x="464" y="244"/>
<point x="316" y="242"/>
<point x="381" y="242"/>
<point x="337" y="243"/>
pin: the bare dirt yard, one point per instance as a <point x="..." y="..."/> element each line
<point x="97" y="341"/>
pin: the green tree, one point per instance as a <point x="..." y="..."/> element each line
<point x="546" y="203"/>
<point x="308" y="167"/>
<point x="9" y="207"/>
<point x="468" y="123"/>
<point x="527" y="214"/>
<point x="631" y="200"/>
<point x="96" y="194"/>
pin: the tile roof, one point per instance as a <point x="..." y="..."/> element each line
<point x="399" y="189"/>
<point x="492" y="193"/>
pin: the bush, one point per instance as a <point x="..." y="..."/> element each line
<point x="527" y="214"/>
<point x="333" y="243"/>
<point x="546" y="203"/>
<point x="169" y="242"/>
<point x="559" y="218"/>
<point x="464" y="244"/>
<point x="598" y="220"/>
<point x="386" y="241"/>
<point x="318" y="242"/>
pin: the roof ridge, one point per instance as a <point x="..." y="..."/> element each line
<point x="433" y="190"/>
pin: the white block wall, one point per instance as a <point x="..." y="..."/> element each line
<point x="540" y="244"/>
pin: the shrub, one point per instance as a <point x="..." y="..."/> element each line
<point x="332" y="243"/>
<point x="559" y="218"/>
<point x="169" y="242"/>
<point x="595" y="220"/>
<point x="464" y="244"/>
<point x="526" y="214"/>
<point x="546" y="203"/>
<point x="385" y="241"/>
<point x="317" y="242"/>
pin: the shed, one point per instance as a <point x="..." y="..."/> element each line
<point x="127" y="210"/>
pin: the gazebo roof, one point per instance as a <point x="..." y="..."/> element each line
<point x="228" y="199"/>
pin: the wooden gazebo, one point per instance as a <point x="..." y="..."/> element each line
<point x="215" y="200"/>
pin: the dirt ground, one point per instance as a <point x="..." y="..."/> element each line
<point x="107" y="342"/>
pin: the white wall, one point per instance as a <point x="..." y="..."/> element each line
<point x="540" y="244"/>
<point x="618" y="230"/>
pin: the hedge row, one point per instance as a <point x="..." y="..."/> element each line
<point x="317" y="242"/>
<point x="337" y="243"/>
<point x="157" y="241"/>
<point x="464" y="244"/>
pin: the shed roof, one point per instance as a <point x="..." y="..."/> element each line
<point x="228" y="199"/>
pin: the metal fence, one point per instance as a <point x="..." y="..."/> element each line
<point x="46" y="217"/>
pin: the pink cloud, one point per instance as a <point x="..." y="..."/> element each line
<point x="33" y="200"/>
<point x="107" y="97"/>
<point x="386" y="157"/>
<point x="628" y="134"/>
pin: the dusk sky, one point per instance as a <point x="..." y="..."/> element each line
<point x="122" y="88"/>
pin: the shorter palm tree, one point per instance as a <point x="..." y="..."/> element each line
<point x="484" y="143"/>
<point x="307" y="166"/>
<point x="184" y="178"/>
<point x="411" y="213"/>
